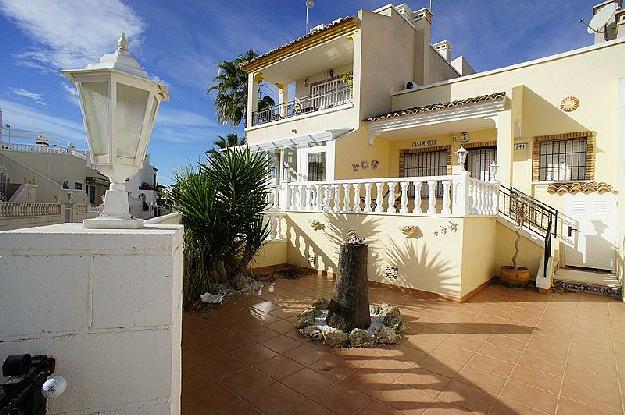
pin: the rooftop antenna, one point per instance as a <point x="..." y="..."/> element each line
<point x="430" y="6"/>
<point x="309" y="5"/>
<point x="601" y="18"/>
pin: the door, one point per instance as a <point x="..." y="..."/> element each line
<point x="589" y="230"/>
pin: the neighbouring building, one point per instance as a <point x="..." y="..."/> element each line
<point x="376" y="129"/>
<point x="42" y="183"/>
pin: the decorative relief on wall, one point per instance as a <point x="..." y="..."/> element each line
<point x="569" y="104"/>
<point x="443" y="230"/>
<point x="364" y="164"/>
<point x="411" y="231"/>
<point x="374" y="164"/>
<point x="316" y="225"/>
<point x="391" y="273"/>
<point x="355" y="166"/>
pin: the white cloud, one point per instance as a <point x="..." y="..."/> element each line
<point x="71" y="33"/>
<point x="24" y="93"/>
<point x="25" y="117"/>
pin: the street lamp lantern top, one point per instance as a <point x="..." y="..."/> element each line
<point x="122" y="43"/>
<point x="461" y="153"/>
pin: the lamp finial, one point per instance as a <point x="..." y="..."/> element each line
<point x="122" y="43"/>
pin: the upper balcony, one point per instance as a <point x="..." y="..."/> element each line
<point x="313" y="76"/>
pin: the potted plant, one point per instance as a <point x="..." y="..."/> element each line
<point x="515" y="275"/>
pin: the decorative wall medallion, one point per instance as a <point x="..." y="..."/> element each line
<point x="316" y="225"/>
<point x="425" y="143"/>
<point x="411" y="231"/>
<point x="520" y="146"/>
<point x="364" y="164"/>
<point x="375" y="164"/>
<point x="569" y="104"/>
<point x="355" y="166"/>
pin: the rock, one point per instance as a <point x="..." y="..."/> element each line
<point x="392" y="315"/>
<point x="307" y="318"/>
<point x="240" y="282"/>
<point x="312" y="332"/>
<point x="375" y="309"/>
<point x="321" y="304"/>
<point x="361" y="338"/>
<point x="386" y="335"/>
<point x="335" y="338"/>
<point x="400" y="327"/>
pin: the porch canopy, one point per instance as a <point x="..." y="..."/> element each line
<point x="300" y="141"/>
<point x="459" y="115"/>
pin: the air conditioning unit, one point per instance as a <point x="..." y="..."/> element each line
<point x="411" y="85"/>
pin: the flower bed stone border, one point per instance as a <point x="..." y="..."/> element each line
<point x="386" y="327"/>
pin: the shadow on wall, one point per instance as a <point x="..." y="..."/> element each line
<point x="405" y="261"/>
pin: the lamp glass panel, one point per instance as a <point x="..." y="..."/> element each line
<point x="130" y="111"/>
<point x="96" y="101"/>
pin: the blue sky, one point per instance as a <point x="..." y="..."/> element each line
<point x="181" y="41"/>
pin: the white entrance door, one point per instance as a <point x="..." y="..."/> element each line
<point x="589" y="230"/>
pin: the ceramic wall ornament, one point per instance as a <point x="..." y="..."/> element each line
<point x="355" y="166"/>
<point x="364" y="164"/>
<point x="391" y="273"/>
<point x="569" y="104"/>
<point x="374" y="164"/>
<point x="316" y="225"/>
<point x="410" y="231"/>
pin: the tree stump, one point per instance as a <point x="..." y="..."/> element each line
<point x="349" y="307"/>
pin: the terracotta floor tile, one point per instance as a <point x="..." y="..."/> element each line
<point x="500" y="353"/>
<point x="278" y="367"/>
<point x="255" y="353"/>
<point x="281" y="344"/>
<point x="605" y="398"/>
<point x="506" y="407"/>
<point x="453" y="352"/>
<point x="238" y="408"/>
<point x="529" y="396"/>
<point x="368" y="382"/>
<point x="275" y="398"/>
<point x="492" y="365"/>
<point x="466" y="396"/>
<point x="405" y="398"/>
<point x="309" y="407"/>
<point x="486" y="381"/>
<point x="305" y="355"/>
<point x="507" y="342"/>
<point x="424" y="380"/>
<point x="568" y="406"/>
<point x="442" y="366"/>
<point x="307" y="381"/>
<point x="211" y="398"/>
<point x="246" y="381"/>
<point x="341" y="399"/>
<point x="334" y="367"/>
<point x="536" y="378"/>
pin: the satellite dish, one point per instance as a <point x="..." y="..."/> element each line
<point x="602" y="17"/>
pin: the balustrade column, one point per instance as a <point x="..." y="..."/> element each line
<point x="404" y="197"/>
<point x="356" y="198"/>
<point x="368" y="197"/>
<point x="345" y="197"/>
<point x="302" y="197"/>
<point x="378" y="197"/>
<point x="336" y="198"/>
<point x="325" y="201"/>
<point x="391" y="198"/>
<point x="432" y="197"/>
<point x="417" y="197"/>
<point x="309" y="202"/>
<point x="446" y="197"/>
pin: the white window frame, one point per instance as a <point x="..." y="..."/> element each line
<point x="302" y="160"/>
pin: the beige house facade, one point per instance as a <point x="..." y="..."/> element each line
<point x="382" y="131"/>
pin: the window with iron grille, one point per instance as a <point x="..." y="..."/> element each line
<point x="430" y="163"/>
<point x="317" y="166"/>
<point x="563" y="160"/>
<point x="479" y="160"/>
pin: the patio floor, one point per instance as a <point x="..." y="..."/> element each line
<point x="506" y="351"/>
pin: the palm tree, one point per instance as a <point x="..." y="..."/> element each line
<point x="230" y="86"/>
<point x="230" y="140"/>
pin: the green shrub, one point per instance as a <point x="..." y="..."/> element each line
<point x="222" y="203"/>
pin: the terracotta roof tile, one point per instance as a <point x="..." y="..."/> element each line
<point x="434" y="107"/>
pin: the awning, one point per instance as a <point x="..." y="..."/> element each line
<point x="301" y="141"/>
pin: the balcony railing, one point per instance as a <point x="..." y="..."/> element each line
<point x="452" y="195"/>
<point x="34" y="148"/>
<point x="12" y="210"/>
<point x="307" y="105"/>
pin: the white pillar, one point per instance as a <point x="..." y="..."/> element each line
<point x="106" y="304"/>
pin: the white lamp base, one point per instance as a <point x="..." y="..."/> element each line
<point x="108" y="222"/>
<point x="115" y="213"/>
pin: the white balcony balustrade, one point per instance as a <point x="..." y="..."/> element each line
<point x="275" y="221"/>
<point x="452" y="195"/>
<point x="13" y="210"/>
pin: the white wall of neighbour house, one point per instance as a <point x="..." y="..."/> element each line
<point x="106" y="304"/>
<point x="621" y="169"/>
<point x="58" y="167"/>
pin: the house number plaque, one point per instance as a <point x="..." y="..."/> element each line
<point x="425" y="143"/>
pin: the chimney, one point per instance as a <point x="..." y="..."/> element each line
<point x="444" y="49"/>
<point x="422" y="19"/>
<point x="405" y="11"/>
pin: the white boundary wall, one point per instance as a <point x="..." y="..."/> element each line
<point x="107" y="304"/>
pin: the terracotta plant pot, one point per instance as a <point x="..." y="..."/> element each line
<point x="518" y="277"/>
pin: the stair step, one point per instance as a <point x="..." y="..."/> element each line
<point x="585" y="287"/>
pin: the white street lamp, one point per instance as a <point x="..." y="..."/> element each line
<point x="119" y="105"/>
<point x="461" y="153"/>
